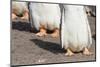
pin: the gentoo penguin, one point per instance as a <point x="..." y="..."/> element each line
<point x="18" y="9"/>
<point x="45" y="17"/>
<point x="75" y="30"/>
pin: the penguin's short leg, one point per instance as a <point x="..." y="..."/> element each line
<point x="69" y="52"/>
<point x="55" y="33"/>
<point x="42" y="31"/>
<point x="86" y="52"/>
<point x="14" y="16"/>
<point x="25" y="15"/>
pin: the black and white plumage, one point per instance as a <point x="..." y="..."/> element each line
<point x="75" y="30"/>
<point x="46" y="15"/>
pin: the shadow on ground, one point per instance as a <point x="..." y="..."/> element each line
<point x="21" y="25"/>
<point x="52" y="47"/>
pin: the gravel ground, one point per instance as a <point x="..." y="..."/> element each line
<point x="27" y="48"/>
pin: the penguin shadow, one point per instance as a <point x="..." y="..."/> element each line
<point x="21" y="25"/>
<point x="49" y="46"/>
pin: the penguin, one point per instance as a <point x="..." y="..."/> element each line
<point x="75" y="30"/>
<point x="20" y="9"/>
<point x="45" y="17"/>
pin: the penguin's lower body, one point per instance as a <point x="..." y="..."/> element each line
<point x="45" y="17"/>
<point x="75" y="30"/>
<point x="20" y="9"/>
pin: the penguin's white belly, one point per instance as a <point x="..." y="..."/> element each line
<point x="47" y="15"/>
<point x="76" y="32"/>
<point x="19" y="7"/>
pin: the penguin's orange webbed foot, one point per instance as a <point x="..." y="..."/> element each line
<point x="55" y="34"/>
<point x="25" y="16"/>
<point x="69" y="53"/>
<point x="14" y="16"/>
<point x="86" y="52"/>
<point x="42" y="33"/>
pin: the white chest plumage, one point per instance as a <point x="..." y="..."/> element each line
<point x="76" y="32"/>
<point x="45" y="14"/>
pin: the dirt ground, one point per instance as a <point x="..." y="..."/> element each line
<point x="27" y="48"/>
